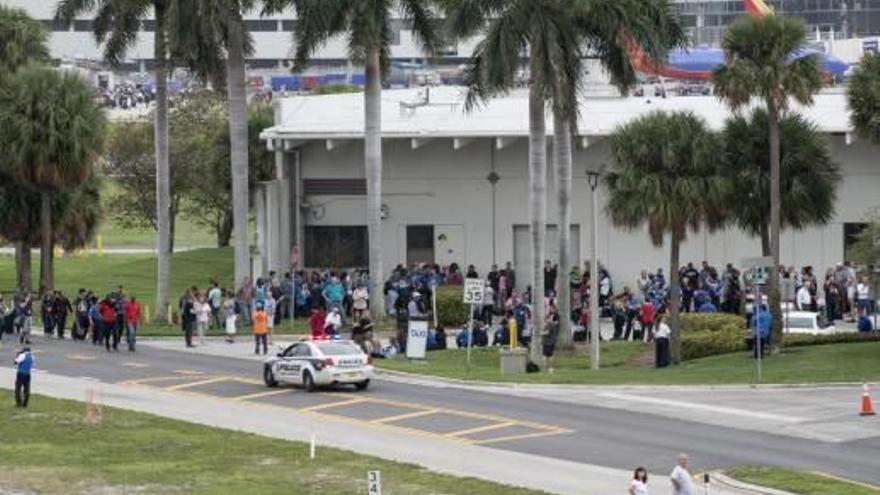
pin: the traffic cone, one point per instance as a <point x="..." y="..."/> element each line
<point x="867" y="406"/>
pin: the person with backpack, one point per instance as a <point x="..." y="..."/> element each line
<point x="80" y="316"/>
<point x="60" y="309"/>
<point x="46" y="304"/>
<point x="108" y="322"/>
<point x="96" y="323"/>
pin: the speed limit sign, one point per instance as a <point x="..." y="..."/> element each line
<point x="473" y="291"/>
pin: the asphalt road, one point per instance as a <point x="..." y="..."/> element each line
<point x="589" y="434"/>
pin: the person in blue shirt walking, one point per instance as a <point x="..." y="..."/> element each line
<point x="24" y="362"/>
<point x="761" y="323"/>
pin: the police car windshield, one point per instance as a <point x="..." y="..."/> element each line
<point x="338" y="349"/>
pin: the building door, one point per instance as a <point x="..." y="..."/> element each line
<point x="522" y="250"/>
<point x="449" y="245"/>
<point x="419" y="244"/>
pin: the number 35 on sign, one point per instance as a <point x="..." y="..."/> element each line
<point x="473" y="291"/>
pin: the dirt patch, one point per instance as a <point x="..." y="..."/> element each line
<point x="61" y="481"/>
<point x="644" y="359"/>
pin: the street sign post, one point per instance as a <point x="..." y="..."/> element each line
<point x="758" y="274"/>
<point x="472" y="296"/>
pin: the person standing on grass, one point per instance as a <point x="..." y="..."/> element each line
<point x="260" y="329"/>
<point x="46" y="303"/>
<point x="639" y="483"/>
<point x="550" y="336"/>
<point x="215" y="299"/>
<point x="24" y="362"/>
<point x="203" y="316"/>
<point x="229" y="315"/>
<point x="661" y="343"/>
<point x="681" y="478"/>
<point x="132" y="317"/>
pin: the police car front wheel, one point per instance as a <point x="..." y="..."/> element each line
<point x="309" y="382"/>
<point x="269" y="377"/>
<point x="362" y="385"/>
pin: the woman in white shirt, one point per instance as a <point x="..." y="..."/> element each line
<point x="639" y="483"/>
<point x="863" y="296"/>
<point x="203" y="316"/>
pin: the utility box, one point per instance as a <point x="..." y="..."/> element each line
<point x="513" y="360"/>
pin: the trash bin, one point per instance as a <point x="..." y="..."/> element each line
<point x="661" y="352"/>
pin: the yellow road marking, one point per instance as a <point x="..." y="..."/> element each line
<point x="197" y="383"/>
<point x="80" y="357"/>
<point x="400" y="417"/>
<point x="188" y="372"/>
<point x="519" y="437"/>
<point x="260" y="394"/>
<point x="479" y="429"/>
<point x="136" y="365"/>
<point x="334" y="404"/>
<point x="144" y="381"/>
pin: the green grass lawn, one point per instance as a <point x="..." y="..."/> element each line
<point x="621" y="364"/>
<point x="49" y="449"/>
<point x="800" y="482"/>
<point x="137" y="273"/>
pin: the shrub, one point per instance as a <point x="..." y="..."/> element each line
<point x="452" y="312"/>
<point x="711" y="322"/>
<point x="704" y="343"/>
<point x="803" y="340"/>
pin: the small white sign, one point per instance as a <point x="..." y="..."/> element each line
<point x="473" y="291"/>
<point x="374" y="483"/>
<point x="417" y="339"/>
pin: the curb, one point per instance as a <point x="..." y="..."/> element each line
<point x="444" y="381"/>
<point x="743" y="487"/>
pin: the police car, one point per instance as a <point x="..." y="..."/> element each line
<point x="320" y="363"/>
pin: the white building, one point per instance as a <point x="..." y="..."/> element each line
<point x="440" y="206"/>
<point x="272" y="36"/>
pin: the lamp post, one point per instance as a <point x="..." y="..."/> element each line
<point x="593" y="182"/>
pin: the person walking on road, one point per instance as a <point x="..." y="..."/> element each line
<point x="60" y="310"/>
<point x="132" y="317"/>
<point x="24" y="362"/>
<point x="260" y="329"/>
<point x="681" y="477"/>
<point x="639" y="483"/>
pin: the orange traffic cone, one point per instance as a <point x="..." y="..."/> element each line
<point x="867" y="406"/>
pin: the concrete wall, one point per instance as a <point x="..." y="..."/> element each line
<point x="436" y="184"/>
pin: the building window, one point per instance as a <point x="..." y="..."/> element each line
<point x="53" y="25"/>
<point x="336" y="247"/>
<point x="335" y="187"/>
<point x="419" y="244"/>
<point x="851" y="232"/>
<point x="261" y="25"/>
<point x="86" y="26"/>
<point x="289" y="26"/>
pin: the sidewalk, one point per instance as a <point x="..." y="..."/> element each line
<point x="825" y="412"/>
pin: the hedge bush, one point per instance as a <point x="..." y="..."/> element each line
<point x="452" y="312"/>
<point x="803" y="340"/>
<point x="705" y="343"/>
<point x="711" y="322"/>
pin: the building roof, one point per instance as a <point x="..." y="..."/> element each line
<point x="406" y="113"/>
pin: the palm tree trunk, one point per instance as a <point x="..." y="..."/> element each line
<point x="775" y="226"/>
<point x="562" y="157"/>
<point x="238" y="132"/>
<point x="674" y="300"/>
<point x="373" y="170"/>
<point x="45" y="241"/>
<point x="163" y="170"/>
<point x="537" y="202"/>
<point x="765" y="240"/>
<point x="23" y="266"/>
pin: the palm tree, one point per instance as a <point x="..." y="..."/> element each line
<point x="556" y="35"/>
<point x="22" y="40"/>
<point x="117" y="23"/>
<point x="51" y="133"/>
<point x="223" y="28"/>
<point x="762" y="62"/>
<point x="809" y="176"/>
<point x="863" y="96"/>
<point x="367" y="25"/>
<point x="664" y="173"/>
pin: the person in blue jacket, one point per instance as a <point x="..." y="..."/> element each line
<point x="761" y="323"/>
<point x="24" y="362"/>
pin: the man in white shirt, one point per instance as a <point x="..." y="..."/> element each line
<point x="681" y="478"/>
